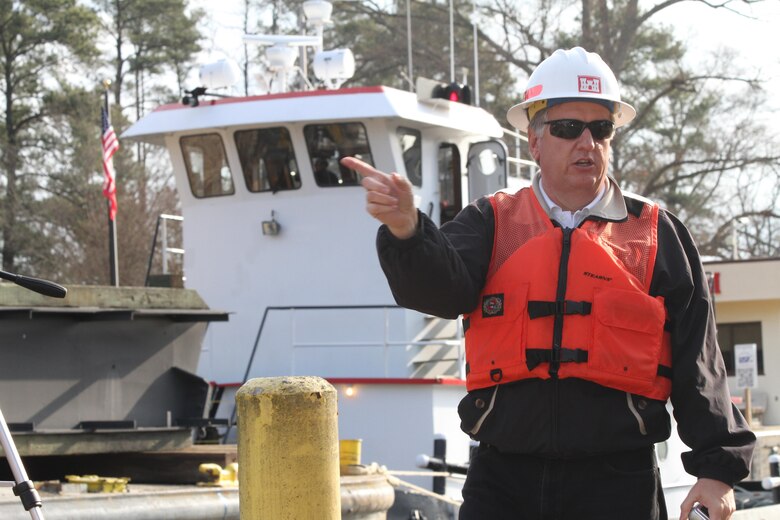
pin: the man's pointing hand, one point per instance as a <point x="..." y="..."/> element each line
<point x="389" y="198"/>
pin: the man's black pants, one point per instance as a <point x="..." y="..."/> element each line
<point x="616" y="486"/>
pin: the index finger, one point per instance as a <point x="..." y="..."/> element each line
<point x="363" y="168"/>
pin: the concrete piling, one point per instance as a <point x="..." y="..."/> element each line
<point x="288" y="449"/>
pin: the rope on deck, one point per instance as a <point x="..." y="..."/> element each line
<point x="393" y="480"/>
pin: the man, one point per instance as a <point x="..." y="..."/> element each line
<point x="584" y="310"/>
<point x="323" y="175"/>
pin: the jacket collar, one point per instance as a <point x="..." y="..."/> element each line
<point x="610" y="207"/>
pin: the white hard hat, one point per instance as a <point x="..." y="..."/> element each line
<point x="571" y="75"/>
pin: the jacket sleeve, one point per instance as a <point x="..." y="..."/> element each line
<point x="720" y="440"/>
<point x="440" y="271"/>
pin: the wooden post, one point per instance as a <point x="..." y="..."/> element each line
<point x="288" y="449"/>
<point x="748" y="406"/>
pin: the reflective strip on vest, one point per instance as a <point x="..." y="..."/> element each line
<point x="611" y="331"/>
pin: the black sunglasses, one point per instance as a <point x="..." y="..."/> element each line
<point x="573" y="128"/>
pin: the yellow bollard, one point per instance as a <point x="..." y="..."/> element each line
<point x="288" y="449"/>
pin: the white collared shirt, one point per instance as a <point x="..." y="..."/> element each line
<point x="570" y="219"/>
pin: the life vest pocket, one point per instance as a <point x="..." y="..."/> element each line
<point x="495" y="346"/>
<point x="628" y="329"/>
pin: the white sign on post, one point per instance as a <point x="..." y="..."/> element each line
<point x="746" y="365"/>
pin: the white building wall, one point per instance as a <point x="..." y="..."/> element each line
<point x="749" y="291"/>
<point x="768" y="313"/>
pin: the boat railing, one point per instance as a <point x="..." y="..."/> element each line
<point x="517" y="139"/>
<point x="165" y="278"/>
<point x="385" y="342"/>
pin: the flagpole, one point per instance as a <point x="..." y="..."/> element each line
<point x="112" y="249"/>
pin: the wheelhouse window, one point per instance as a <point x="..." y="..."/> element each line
<point x="411" y="149"/>
<point x="207" y="167"/>
<point x="730" y="334"/>
<point x="267" y="159"/>
<point x="328" y="143"/>
<point x="449" y="182"/>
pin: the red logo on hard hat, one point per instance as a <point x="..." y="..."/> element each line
<point x="533" y="92"/>
<point x="589" y="84"/>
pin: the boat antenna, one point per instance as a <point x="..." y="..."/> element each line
<point x="476" y="54"/>
<point x="332" y="67"/>
<point x="410" y="78"/>
<point x="452" y="44"/>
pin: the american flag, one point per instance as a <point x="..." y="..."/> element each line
<point x="110" y="146"/>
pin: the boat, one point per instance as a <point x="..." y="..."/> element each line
<point x="276" y="235"/>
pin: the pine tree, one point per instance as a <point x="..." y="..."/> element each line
<point x="39" y="41"/>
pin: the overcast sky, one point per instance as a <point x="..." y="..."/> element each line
<point x="751" y="33"/>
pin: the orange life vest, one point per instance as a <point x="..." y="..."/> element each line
<point x="569" y="303"/>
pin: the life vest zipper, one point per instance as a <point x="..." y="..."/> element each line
<point x="560" y="297"/>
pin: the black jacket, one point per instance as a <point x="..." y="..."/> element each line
<point x="442" y="272"/>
